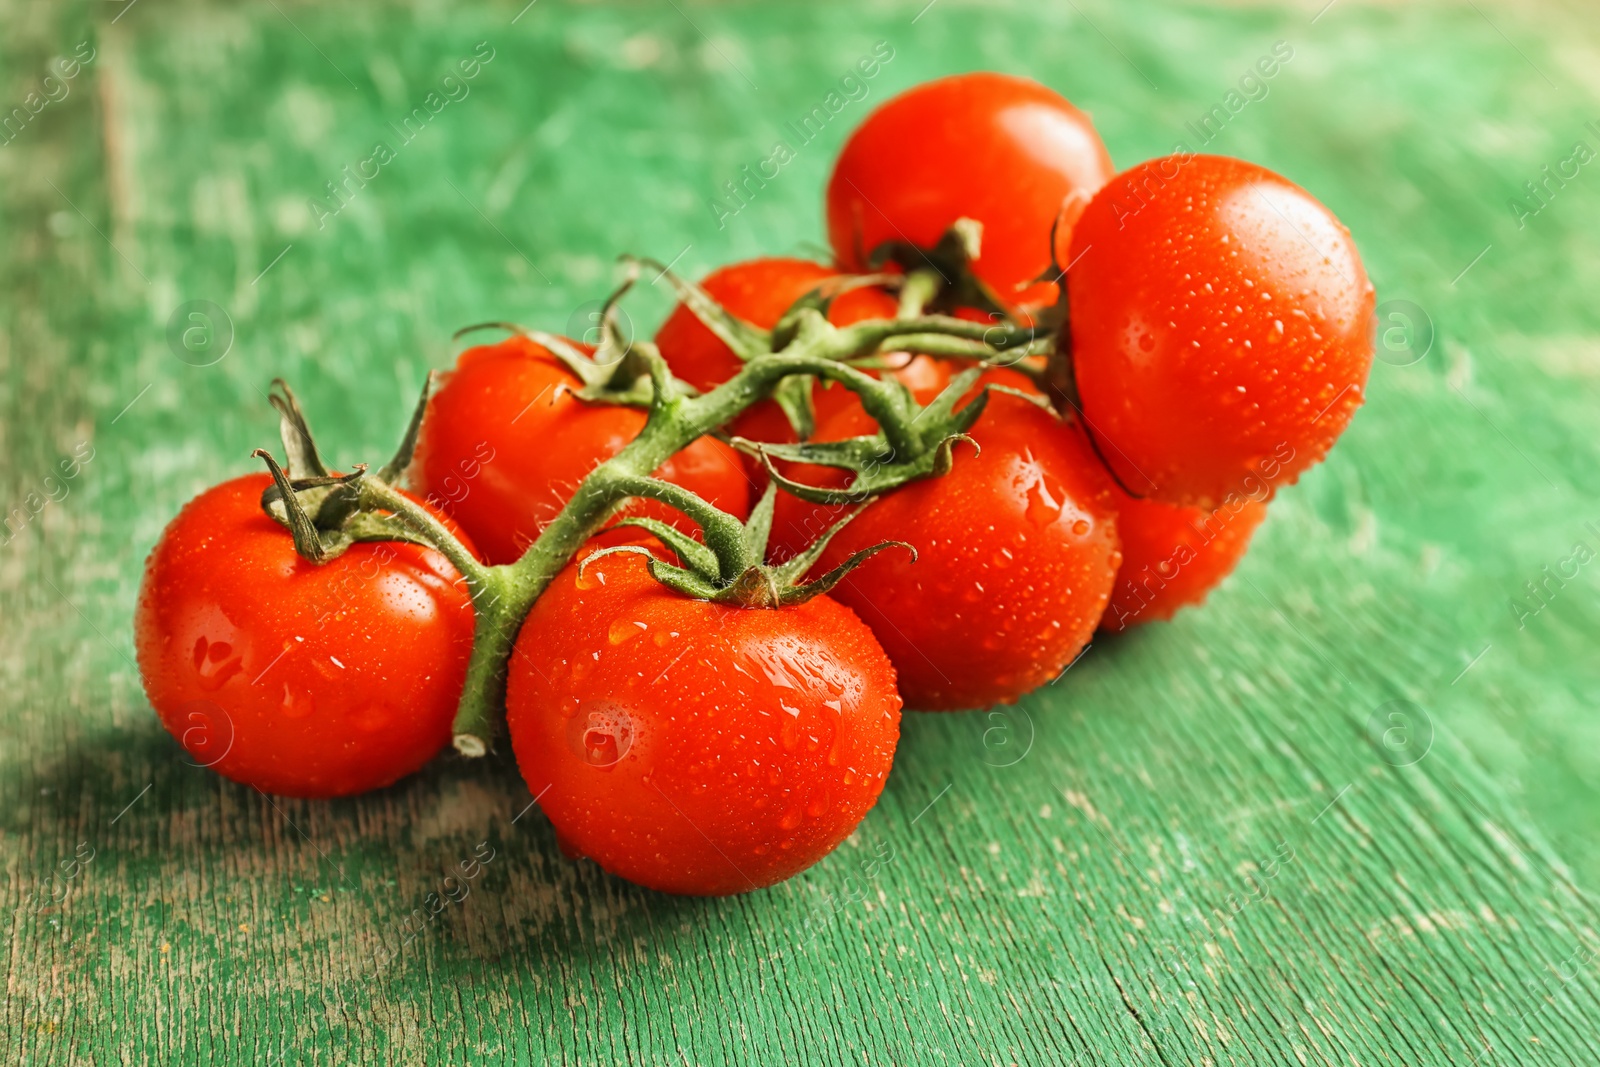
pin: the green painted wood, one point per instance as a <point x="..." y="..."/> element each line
<point x="1193" y="849"/>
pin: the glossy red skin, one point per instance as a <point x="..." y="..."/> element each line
<point x="296" y="678"/>
<point x="1221" y="332"/>
<point x="1017" y="549"/>
<point x="1005" y="151"/>
<point x="691" y="747"/>
<point x="759" y="291"/>
<point x="1173" y="556"/>
<point x="505" y="443"/>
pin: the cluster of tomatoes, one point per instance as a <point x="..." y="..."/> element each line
<point x="710" y="708"/>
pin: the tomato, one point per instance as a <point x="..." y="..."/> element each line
<point x="1173" y="556"/>
<point x="1002" y="150"/>
<point x="759" y="291"/>
<point x="1017" y="549"/>
<point x="693" y="747"/>
<point x="505" y="443"/>
<point x="1221" y="328"/>
<point x="298" y="678"/>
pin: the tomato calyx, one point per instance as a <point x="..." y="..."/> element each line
<point x="730" y="566"/>
<point x="912" y="442"/>
<point x="950" y="261"/>
<point x="618" y="370"/>
<point x="326" y="512"/>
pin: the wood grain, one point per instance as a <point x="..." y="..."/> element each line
<point x="1197" y="847"/>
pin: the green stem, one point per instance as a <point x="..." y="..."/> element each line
<point x="503" y="596"/>
<point x="918" y="291"/>
<point x="378" y="494"/>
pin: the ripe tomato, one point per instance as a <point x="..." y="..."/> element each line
<point x="504" y="444"/>
<point x="293" y="677"/>
<point x="1017" y="549"/>
<point x="1173" y="556"/>
<point x="693" y="747"/>
<point x="759" y="291"/>
<point x="1002" y="150"/>
<point x="1221" y="328"/>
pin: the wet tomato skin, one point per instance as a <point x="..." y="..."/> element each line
<point x="296" y="678"/>
<point x="696" y="748"/>
<point x="1221" y="328"/>
<point x="505" y="443"/>
<point x="1003" y="150"/>
<point x="1017" y="548"/>
<point x="759" y="291"/>
<point x="1172" y="557"/>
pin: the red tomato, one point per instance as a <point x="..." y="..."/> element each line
<point x="759" y="291"/>
<point x="505" y="443"/>
<point x="1173" y="556"/>
<point x="1002" y="150"/>
<point x="1017" y="549"/>
<point x="1221" y="328"/>
<point x="293" y="677"/>
<point x="693" y="747"/>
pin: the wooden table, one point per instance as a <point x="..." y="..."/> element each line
<point x="1210" y="842"/>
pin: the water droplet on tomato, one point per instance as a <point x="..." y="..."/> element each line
<point x="296" y="705"/>
<point x="624" y="630"/>
<point x="372" y="719"/>
<point x="1043" y="508"/>
<point x="789" y="733"/>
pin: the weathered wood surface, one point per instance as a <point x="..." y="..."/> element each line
<point x="1200" y="846"/>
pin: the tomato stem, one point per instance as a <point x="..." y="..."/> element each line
<point x="377" y="494"/>
<point x="503" y="596"/>
<point x="675" y="421"/>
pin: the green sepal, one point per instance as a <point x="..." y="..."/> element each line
<point x="799" y="594"/>
<point x="614" y="347"/>
<point x="322" y="513"/>
<point x="697" y="555"/>
<point x="794" y="397"/>
<point x="682" y="580"/>
<point x="1036" y="399"/>
<point x="300" y="450"/>
<point x="395" y="469"/>
<point x="731" y="567"/>
<point x="634" y="380"/>
<point x="291" y="512"/>
<point x="686" y="582"/>
<point x="758" y="527"/>
<point x="877" y="465"/>
<point x="746" y="340"/>
<point x="789" y="576"/>
<point x="951" y="258"/>
<point x="820" y="298"/>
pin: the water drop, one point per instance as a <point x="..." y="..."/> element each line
<point x="624" y="630"/>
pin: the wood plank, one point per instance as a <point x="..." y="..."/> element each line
<point x="1195" y="848"/>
